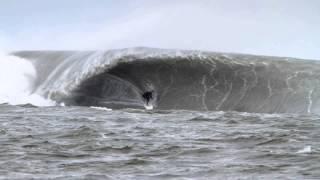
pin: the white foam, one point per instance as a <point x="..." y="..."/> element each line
<point x="17" y="77"/>
<point x="306" y="149"/>
<point x="101" y="108"/>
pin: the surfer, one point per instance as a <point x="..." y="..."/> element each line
<point x="148" y="96"/>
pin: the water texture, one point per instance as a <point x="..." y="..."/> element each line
<point x="89" y="143"/>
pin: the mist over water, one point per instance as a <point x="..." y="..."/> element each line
<point x="278" y="28"/>
<point x="216" y="115"/>
<point x="17" y="77"/>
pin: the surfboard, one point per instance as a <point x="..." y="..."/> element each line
<point x="148" y="107"/>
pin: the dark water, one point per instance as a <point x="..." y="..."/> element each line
<point x="87" y="143"/>
<point x="193" y="80"/>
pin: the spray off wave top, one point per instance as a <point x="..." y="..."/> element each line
<point x="193" y="80"/>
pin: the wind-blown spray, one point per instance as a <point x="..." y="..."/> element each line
<point x="17" y="77"/>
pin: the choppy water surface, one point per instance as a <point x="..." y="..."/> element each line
<point x="86" y="143"/>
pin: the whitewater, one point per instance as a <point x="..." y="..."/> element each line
<point x="193" y="80"/>
<point x="17" y="77"/>
<point x="81" y="115"/>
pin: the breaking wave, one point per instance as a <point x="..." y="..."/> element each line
<point x="17" y="76"/>
<point x="192" y="80"/>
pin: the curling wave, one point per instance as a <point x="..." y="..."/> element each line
<point x="17" y="76"/>
<point x="180" y="79"/>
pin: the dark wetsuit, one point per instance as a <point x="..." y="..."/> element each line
<point x="148" y="96"/>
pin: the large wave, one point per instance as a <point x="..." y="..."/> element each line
<point x="17" y="77"/>
<point x="180" y="79"/>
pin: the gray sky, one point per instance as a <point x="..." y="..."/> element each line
<point x="269" y="27"/>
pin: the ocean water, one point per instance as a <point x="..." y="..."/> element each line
<point x="216" y="115"/>
<point x="96" y="143"/>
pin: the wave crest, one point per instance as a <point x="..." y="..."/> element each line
<point x="181" y="80"/>
<point x="17" y="78"/>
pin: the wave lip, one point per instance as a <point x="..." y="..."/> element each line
<point x="17" y="76"/>
<point x="181" y="79"/>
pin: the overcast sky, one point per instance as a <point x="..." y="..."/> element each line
<point x="268" y="27"/>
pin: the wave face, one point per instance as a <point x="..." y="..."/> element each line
<point x="191" y="80"/>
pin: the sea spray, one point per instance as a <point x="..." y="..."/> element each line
<point x="17" y="78"/>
